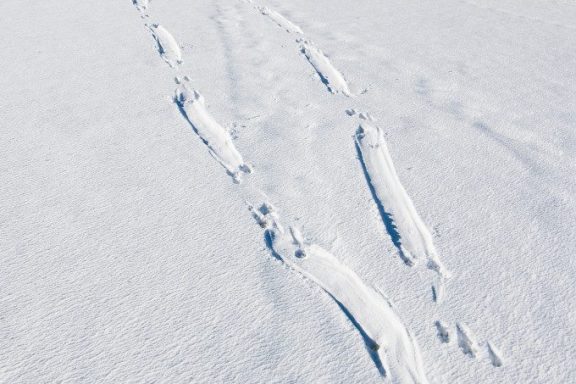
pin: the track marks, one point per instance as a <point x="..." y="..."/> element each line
<point x="494" y="354"/>
<point x="468" y="344"/>
<point x="466" y="340"/>
<point x="438" y="291"/>
<point x="282" y="22"/>
<point x="391" y="346"/>
<point x="361" y="115"/>
<point x="329" y="75"/>
<point x="407" y="230"/>
<point x="216" y="138"/>
<point x="443" y="332"/>
<point x="141" y="5"/>
<point x="167" y="46"/>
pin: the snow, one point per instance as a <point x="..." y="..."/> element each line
<point x="329" y="75"/>
<point x="280" y="20"/>
<point x="212" y="134"/>
<point x="167" y="46"/>
<point x="407" y="230"/>
<point x="130" y="255"/>
<point x="393" y="349"/>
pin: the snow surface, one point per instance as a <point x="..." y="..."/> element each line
<point x="129" y="255"/>
<point x="212" y="134"/>
<point x="393" y="349"/>
<point x="406" y="228"/>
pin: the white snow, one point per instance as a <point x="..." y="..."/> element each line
<point x="280" y="20"/>
<point x="127" y="253"/>
<point x="141" y="5"/>
<point x="466" y="340"/>
<point x="329" y="75"/>
<point x="406" y="228"/>
<point x="495" y="355"/>
<point x="212" y="134"/>
<point x="394" y="350"/>
<point x="168" y="48"/>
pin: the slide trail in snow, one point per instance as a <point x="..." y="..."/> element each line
<point x="466" y="340"/>
<point x="391" y="346"/>
<point x="494" y="354"/>
<point x="329" y="75"/>
<point x="167" y="46"/>
<point x="280" y="20"/>
<point x="407" y="230"/>
<point x="216" y="138"/>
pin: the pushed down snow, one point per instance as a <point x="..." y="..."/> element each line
<point x="266" y="191"/>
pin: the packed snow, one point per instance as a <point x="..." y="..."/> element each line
<point x="266" y="191"/>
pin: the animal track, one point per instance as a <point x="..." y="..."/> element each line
<point x="494" y="354"/>
<point x="391" y="346"/>
<point x="361" y="115"/>
<point x="329" y="75"/>
<point x="466" y="340"/>
<point x="167" y="46"/>
<point x="407" y="230"/>
<point x="141" y="5"/>
<point x="216" y="138"/>
<point x="443" y="332"/>
<point x="280" y="20"/>
<point x="389" y="343"/>
<point x="438" y="291"/>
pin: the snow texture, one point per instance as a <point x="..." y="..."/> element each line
<point x="128" y="255"/>
<point x="392" y="347"/>
<point x="216" y="138"/>
<point x="406" y="228"/>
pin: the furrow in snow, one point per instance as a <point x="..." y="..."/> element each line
<point x="407" y="230"/>
<point x="280" y="20"/>
<point x="216" y="138"/>
<point x="466" y="340"/>
<point x="443" y="331"/>
<point x="167" y="46"/>
<point x="392" y="347"/>
<point x="494" y="354"/>
<point x="329" y="75"/>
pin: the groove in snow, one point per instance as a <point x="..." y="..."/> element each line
<point x="443" y="331"/>
<point x="216" y="138"/>
<point x="494" y="354"/>
<point x="391" y="346"/>
<point x="167" y="46"/>
<point x="280" y="20"/>
<point x="329" y="75"/>
<point x="407" y="230"/>
<point x="466" y="340"/>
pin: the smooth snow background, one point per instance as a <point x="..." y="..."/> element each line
<point x="128" y="255"/>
